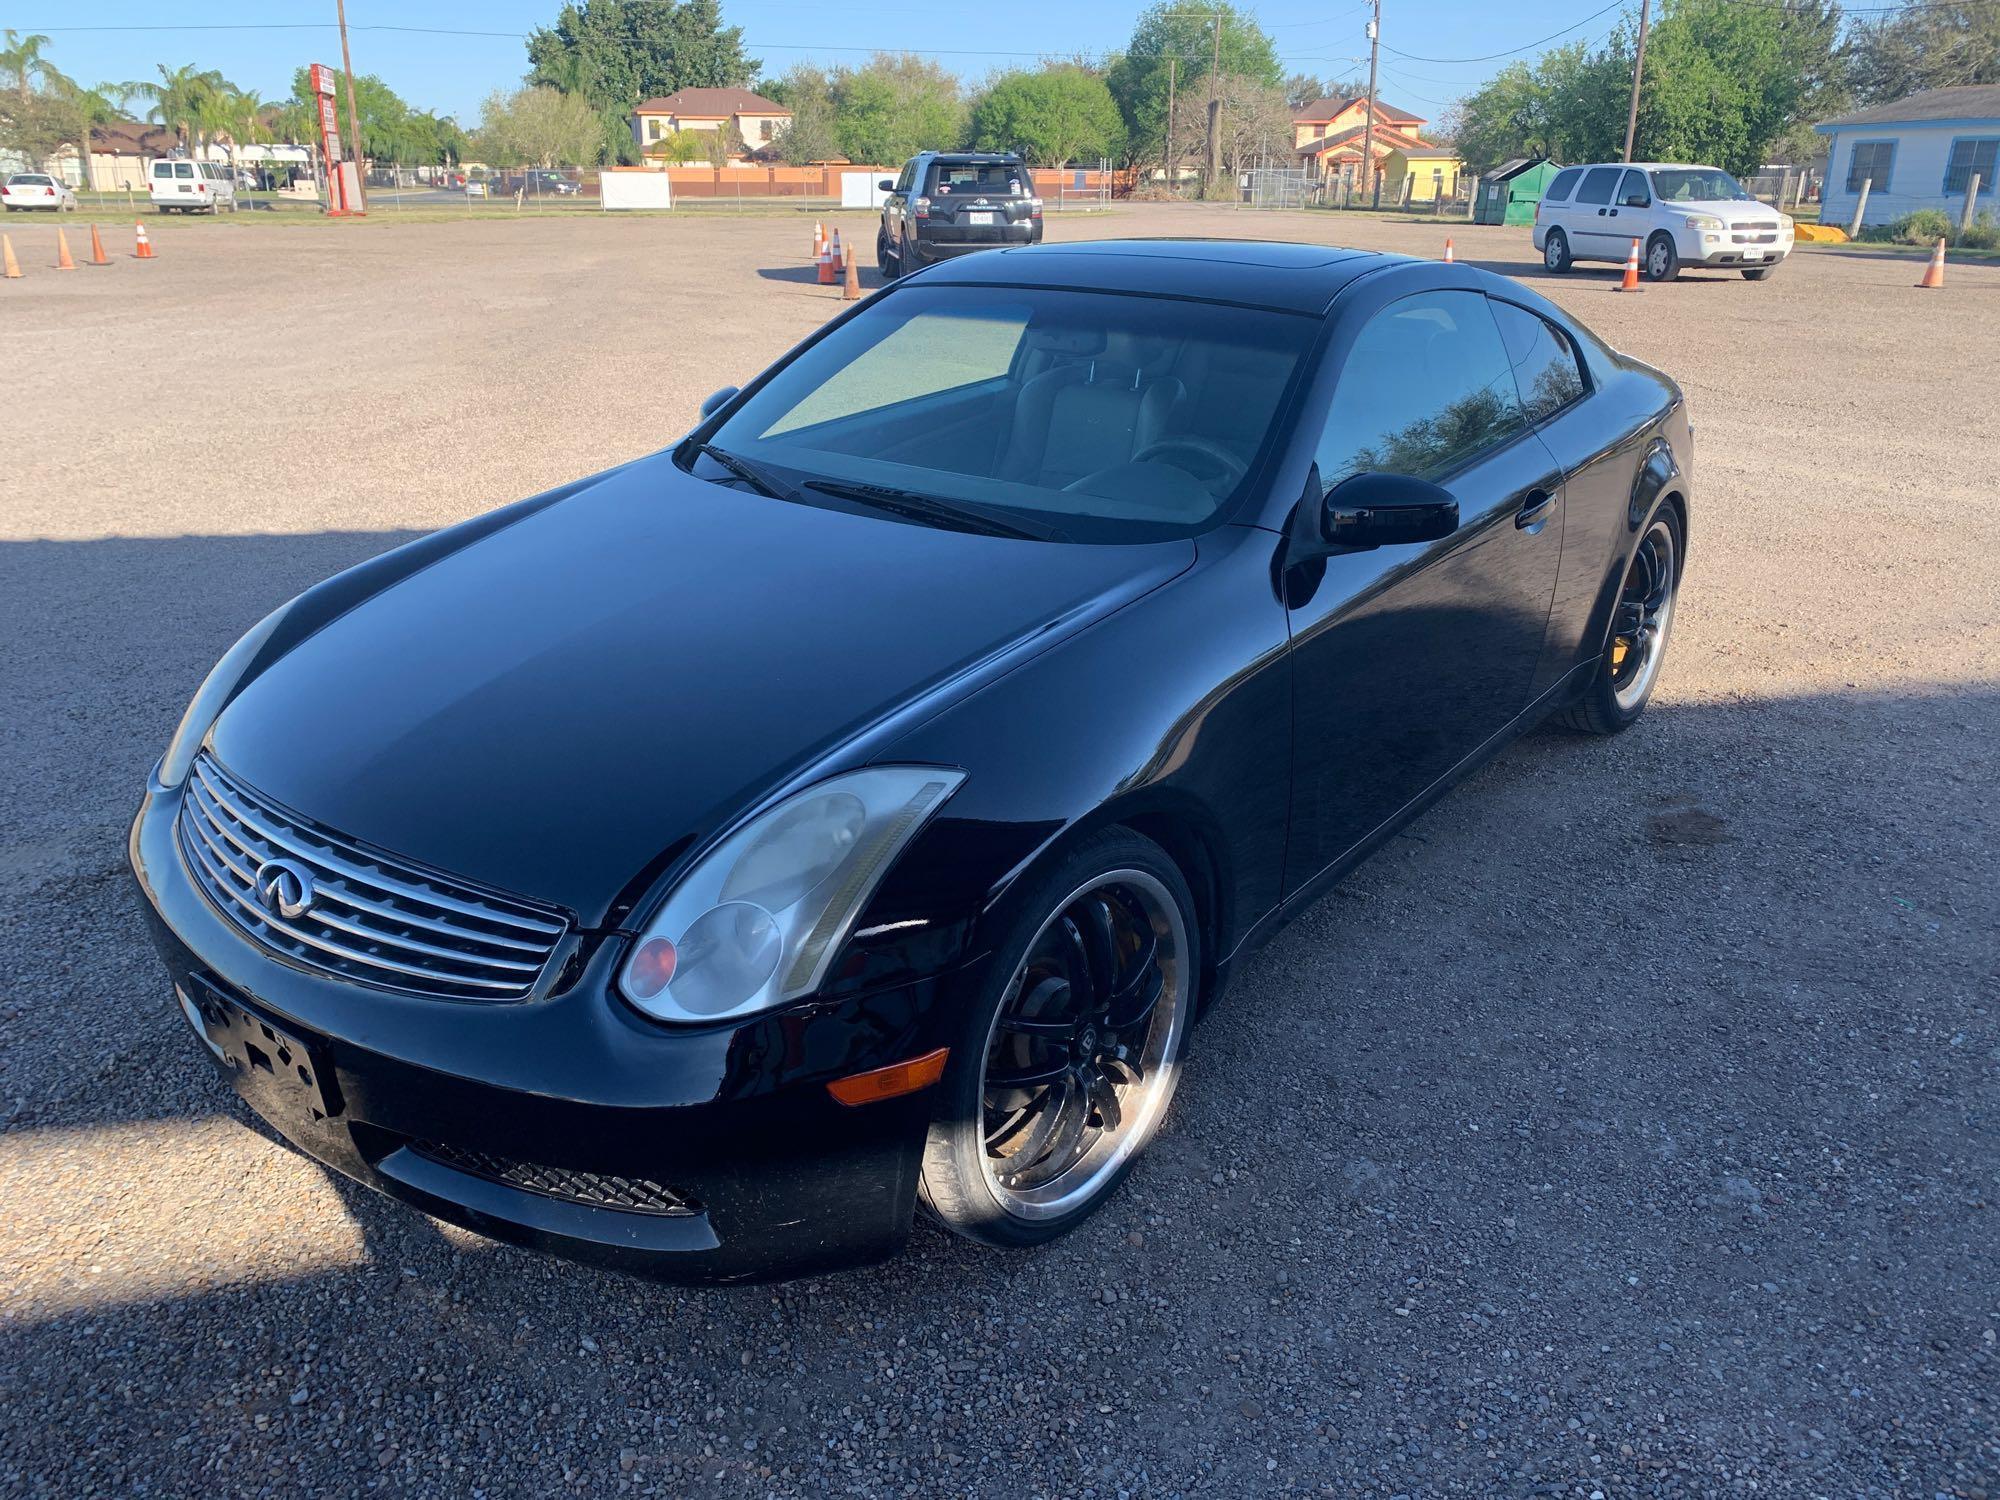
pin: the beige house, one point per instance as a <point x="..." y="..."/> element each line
<point x="756" y="118"/>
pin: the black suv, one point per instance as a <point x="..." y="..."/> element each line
<point x="950" y="202"/>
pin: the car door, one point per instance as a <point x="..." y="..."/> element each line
<point x="1408" y="659"/>
<point x="1594" y="233"/>
<point x="896" y="210"/>
<point x="1633" y="210"/>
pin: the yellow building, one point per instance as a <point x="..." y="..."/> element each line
<point x="1330" y="134"/>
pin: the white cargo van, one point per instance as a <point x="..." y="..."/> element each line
<point x="193" y="187"/>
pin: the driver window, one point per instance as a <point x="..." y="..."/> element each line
<point x="1426" y="387"/>
<point x="1633" y="192"/>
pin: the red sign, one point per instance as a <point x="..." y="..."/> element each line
<point x="329" y="121"/>
<point x="322" y="79"/>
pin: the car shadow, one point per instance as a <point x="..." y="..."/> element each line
<point x="808" y="275"/>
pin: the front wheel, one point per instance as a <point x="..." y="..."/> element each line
<point x="1062" y="1067"/>
<point x="1663" y="261"/>
<point x="1555" y="252"/>
<point x="886" y="263"/>
<point x="1758" y="273"/>
<point x="1644" y="618"/>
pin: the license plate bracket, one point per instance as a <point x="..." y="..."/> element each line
<point x="279" y="1075"/>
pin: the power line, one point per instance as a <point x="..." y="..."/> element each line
<point x="1511" y="51"/>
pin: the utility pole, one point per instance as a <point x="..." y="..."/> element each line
<point x="1638" y="67"/>
<point x="1173" y="152"/>
<point x="1368" y="135"/>
<point x="353" y="123"/>
<point x="1215" y="108"/>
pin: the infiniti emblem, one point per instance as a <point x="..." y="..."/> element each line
<point x="284" y="888"/>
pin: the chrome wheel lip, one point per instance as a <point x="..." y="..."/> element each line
<point x="1654" y="631"/>
<point x="1107" y="1156"/>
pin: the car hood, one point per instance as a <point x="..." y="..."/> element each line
<point x="1731" y="211"/>
<point x="556" y="706"/>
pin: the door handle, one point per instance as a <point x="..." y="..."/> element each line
<point x="1535" y="508"/>
<point x="1602" y="212"/>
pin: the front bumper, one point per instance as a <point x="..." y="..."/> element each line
<point x="565" y="1122"/>
<point x="1704" y="248"/>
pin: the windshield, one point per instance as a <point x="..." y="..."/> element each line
<point x="1696" y="185"/>
<point x="1105" y="417"/>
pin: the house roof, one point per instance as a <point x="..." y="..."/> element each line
<point x="711" y="104"/>
<point x="1387" y="138"/>
<point x="130" y="138"/>
<point x="1972" y="101"/>
<point x="1321" y="111"/>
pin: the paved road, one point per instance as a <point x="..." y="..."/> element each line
<point x="1629" y="1126"/>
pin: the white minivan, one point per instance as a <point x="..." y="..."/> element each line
<point x="193" y="187"/>
<point x="1681" y="216"/>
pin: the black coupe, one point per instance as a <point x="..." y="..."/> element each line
<point x="853" y="807"/>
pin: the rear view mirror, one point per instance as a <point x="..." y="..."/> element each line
<point x="1386" y="510"/>
<point x="887" y="184"/>
<point x="716" y="402"/>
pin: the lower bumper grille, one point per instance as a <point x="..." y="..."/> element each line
<point x="639" y="1195"/>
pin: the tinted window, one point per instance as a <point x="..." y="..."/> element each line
<point x="1598" y="185"/>
<point x="30" y="179"/>
<point x="1633" y="192"/>
<point x="1697" y="185"/>
<point x="1968" y="157"/>
<point x="903" y="178"/>
<point x="976" y="177"/>
<point x="1427" y="385"/>
<point x="1565" y="180"/>
<point x="1546" y="372"/>
<point x="163" y="169"/>
<point x="1111" y="418"/>
<point x="183" y="169"/>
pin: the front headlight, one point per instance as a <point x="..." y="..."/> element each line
<point x="1787" y="225"/>
<point x="758" y="919"/>
<point x="1705" y="222"/>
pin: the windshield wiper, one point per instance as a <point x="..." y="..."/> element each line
<point x="751" y="474"/>
<point x="937" y="510"/>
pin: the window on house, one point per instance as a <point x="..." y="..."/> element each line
<point x="653" y="130"/>
<point x="1870" y="163"/>
<point x="765" y="128"/>
<point x="1972" y="154"/>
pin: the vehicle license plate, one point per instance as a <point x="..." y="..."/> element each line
<point x="1753" y="254"/>
<point x="979" y="218"/>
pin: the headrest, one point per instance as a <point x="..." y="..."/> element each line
<point x="1070" y="341"/>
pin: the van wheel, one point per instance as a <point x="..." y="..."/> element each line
<point x="1663" y="261"/>
<point x="1758" y="273"/>
<point x="1555" y="252"/>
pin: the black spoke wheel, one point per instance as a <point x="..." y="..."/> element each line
<point x="1065" y="1070"/>
<point x="1640" y="625"/>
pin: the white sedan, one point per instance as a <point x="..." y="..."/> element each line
<point x="24" y="190"/>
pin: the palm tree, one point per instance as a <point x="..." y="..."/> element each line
<point x="184" y="100"/>
<point x="90" y="108"/>
<point x="21" y="59"/>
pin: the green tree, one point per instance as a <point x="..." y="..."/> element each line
<point x="1186" y="42"/>
<point x="21" y="63"/>
<point x="894" y="106"/>
<point x="539" y="127"/>
<point x="810" y="135"/>
<point x="1052" y="117"/>
<point x="1928" y="44"/>
<point x="186" y="100"/>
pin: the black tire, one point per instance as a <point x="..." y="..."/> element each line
<point x="1760" y="273"/>
<point x="960" y="1183"/>
<point x="1555" y="253"/>
<point x="886" y="263"/>
<point x="1662" y="260"/>
<point x="1613" y="701"/>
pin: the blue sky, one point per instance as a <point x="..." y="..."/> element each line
<point x="451" y="73"/>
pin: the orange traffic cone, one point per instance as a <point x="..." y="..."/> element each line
<point x="1631" y="282"/>
<point x="850" y="289"/>
<point x="97" y="255"/>
<point x="13" y="272"/>
<point x="819" y="238"/>
<point x="1448" y="256"/>
<point x="144" y="249"/>
<point x="825" y="264"/>
<point x="839" y="255"/>
<point x="1934" y="273"/>
<point x="63" y="262"/>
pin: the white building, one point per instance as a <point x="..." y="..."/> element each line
<point x="1919" y="152"/>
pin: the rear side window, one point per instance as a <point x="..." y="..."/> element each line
<point x="1598" y="185"/>
<point x="988" y="178"/>
<point x="1546" y="372"/>
<point x="183" y="169"/>
<point x="1559" y="190"/>
<point x="163" y="169"/>
<point x="1427" y="387"/>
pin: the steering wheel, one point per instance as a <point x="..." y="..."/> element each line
<point x="1213" y="461"/>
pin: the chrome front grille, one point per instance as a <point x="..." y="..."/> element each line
<point x="368" y="917"/>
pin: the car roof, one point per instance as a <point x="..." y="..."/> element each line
<point x="1284" y="276"/>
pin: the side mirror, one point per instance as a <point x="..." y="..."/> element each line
<point x="1386" y="510"/>
<point x="716" y="402"/>
<point x="887" y="184"/>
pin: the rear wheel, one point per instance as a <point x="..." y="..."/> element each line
<point x="1555" y="252"/>
<point x="1062" y="1069"/>
<point x="1644" y="618"/>
<point x="1663" y="261"/>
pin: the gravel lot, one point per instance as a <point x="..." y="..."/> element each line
<point x="1629" y="1126"/>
